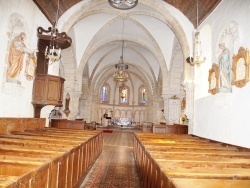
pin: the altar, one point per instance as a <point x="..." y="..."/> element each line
<point x="121" y="121"/>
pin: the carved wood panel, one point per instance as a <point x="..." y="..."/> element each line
<point x="47" y="90"/>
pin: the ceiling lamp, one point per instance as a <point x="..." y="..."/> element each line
<point x="197" y="58"/>
<point x="53" y="52"/>
<point x="123" y="4"/>
<point x="121" y="74"/>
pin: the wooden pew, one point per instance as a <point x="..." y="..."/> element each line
<point x="181" y="161"/>
<point x="84" y="157"/>
<point x="69" y="124"/>
<point x="43" y="157"/>
<point x="24" y="174"/>
<point x="209" y="183"/>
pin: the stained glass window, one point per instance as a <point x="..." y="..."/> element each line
<point x="124" y="95"/>
<point x="104" y="94"/>
<point x="143" y="96"/>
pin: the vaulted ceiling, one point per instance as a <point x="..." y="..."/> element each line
<point x="154" y="32"/>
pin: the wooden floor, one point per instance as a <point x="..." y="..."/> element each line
<point x="116" y="166"/>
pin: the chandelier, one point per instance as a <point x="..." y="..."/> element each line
<point x="53" y="52"/>
<point x="197" y="58"/>
<point x="123" y="4"/>
<point x="121" y="74"/>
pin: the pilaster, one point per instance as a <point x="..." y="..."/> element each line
<point x="189" y="111"/>
<point x="166" y="102"/>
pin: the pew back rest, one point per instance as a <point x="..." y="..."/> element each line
<point x="8" y="125"/>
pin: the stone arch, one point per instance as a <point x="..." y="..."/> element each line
<point x="160" y="13"/>
<point x="117" y="113"/>
<point x="229" y="34"/>
<point x="165" y="16"/>
<point x="176" y="71"/>
<point x="129" y="114"/>
<point x="107" y="69"/>
<point x="86" y="56"/>
<point x="109" y="72"/>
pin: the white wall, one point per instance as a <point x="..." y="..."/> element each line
<point x="225" y="116"/>
<point x="15" y="99"/>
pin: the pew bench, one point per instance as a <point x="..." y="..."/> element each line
<point x="35" y="156"/>
<point x="184" y="161"/>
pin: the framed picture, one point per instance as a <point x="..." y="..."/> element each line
<point x="213" y="79"/>
<point x="240" y="68"/>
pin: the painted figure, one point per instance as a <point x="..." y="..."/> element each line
<point x="30" y="69"/>
<point x="16" y="58"/>
<point x="16" y="55"/>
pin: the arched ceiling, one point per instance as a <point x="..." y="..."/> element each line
<point x="148" y="31"/>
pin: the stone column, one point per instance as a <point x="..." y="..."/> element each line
<point x="155" y="108"/>
<point x="83" y="99"/>
<point x="95" y="108"/>
<point x="149" y="115"/>
<point x="166" y="102"/>
<point x="189" y="111"/>
<point x="74" y="104"/>
<point x="174" y="109"/>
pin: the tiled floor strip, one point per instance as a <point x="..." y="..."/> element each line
<point x="116" y="166"/>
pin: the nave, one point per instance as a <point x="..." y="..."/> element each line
<point x="116" y="166"/>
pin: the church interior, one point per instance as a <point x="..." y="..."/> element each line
<point x="125" y="93"/>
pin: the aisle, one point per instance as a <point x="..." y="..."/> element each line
<point x="116" y="166"/>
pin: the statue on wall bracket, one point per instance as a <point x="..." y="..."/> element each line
<point x="224" y="65"/>
<point x="67" y="100"/>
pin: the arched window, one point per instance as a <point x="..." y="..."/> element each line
<point x="142" y="95"/>
<point x="124" y="94"/>
<point x="105" y="93"/>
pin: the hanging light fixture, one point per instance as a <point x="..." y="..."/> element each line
<point x="123" y="4"/>
<point x="53" y="52"/>
<point x="197" y="58"/>
<point x="121" y="74"/>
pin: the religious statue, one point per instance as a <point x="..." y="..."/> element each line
<point x="183" y="118"/>
<point x="183" y="104"/>
<point x="225" y="69"/>
<point x="66" y="110"/>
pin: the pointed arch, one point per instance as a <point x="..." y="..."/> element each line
<point x="105" y="93"/>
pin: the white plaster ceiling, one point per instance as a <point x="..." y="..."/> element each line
<point x="148" y="37"/>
